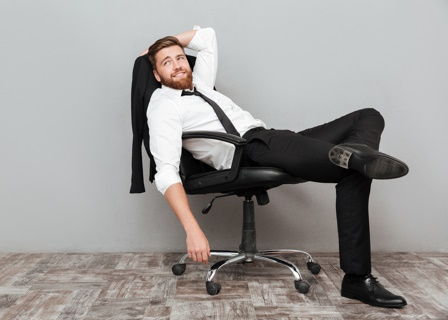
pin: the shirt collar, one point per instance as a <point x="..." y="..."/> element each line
<point x="176" y="91"/>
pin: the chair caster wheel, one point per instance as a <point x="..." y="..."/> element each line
<point x="178" y="269"/>
<point x="213" y="288"/>
<point x="302" y="286"/>
<point x="313" y="267"/>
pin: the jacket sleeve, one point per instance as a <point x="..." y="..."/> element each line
<point x="138" y="116"/>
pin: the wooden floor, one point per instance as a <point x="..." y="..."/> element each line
<point x="141" y="286"/>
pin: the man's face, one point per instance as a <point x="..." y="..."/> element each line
<point x="172" y="68"/>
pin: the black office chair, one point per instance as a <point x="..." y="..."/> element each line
<point x="199" y="178"/>
<point x="247" y="182"/>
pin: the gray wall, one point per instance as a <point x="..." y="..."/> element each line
<point x="65" y="132"/>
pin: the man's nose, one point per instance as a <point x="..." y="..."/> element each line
<point x="176" y="65"/>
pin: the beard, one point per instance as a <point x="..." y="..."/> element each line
<point x="181" y="84"/>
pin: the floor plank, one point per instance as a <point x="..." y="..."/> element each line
<point x="81" y="286"/>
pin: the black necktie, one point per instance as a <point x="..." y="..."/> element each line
<point x="226" y="123"/>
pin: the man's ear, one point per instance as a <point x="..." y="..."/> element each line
<point x="156" y="74"/>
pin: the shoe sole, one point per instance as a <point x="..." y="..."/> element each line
<point x="385" y="167"/>
<point x="379" y="166"/>
<point x="350" y="295"/>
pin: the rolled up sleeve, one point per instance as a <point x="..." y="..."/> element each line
<point x="165" y="130"/>
<point x="206" y="67"/>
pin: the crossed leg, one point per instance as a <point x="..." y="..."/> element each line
<point x="305" y="154"/>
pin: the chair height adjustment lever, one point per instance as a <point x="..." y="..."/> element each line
<point x="210" y="204"/>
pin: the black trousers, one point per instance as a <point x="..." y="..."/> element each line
<point x="304" y="154"/>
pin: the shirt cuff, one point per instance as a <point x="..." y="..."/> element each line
<point x="166" y="178"/>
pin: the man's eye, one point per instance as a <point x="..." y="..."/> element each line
<point x="166" y="63"/>
<point x="180" y="58"/>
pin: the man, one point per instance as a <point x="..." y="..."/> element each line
<point x="343" y="151"/>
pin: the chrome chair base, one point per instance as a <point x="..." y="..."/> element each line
<point x="264" y="255"/>
<point x="248" y="252"/>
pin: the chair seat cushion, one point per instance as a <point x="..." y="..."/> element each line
<point x="248" y="178"/>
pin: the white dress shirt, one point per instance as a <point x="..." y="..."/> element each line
<point x="170" y="114"/>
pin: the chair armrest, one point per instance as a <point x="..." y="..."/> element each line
<point x="226" y="137"/>
<point x="238" y="142"/>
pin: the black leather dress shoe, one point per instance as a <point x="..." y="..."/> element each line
<point x="368" y="290"/>
<point x="368" y="161"/>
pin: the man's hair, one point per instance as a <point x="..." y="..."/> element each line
<point x="160" y="44"/>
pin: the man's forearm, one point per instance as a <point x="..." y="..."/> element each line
<point x="177" y="199"/>
<point x="186" y="37"/>
<point x="197" y="244"/>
